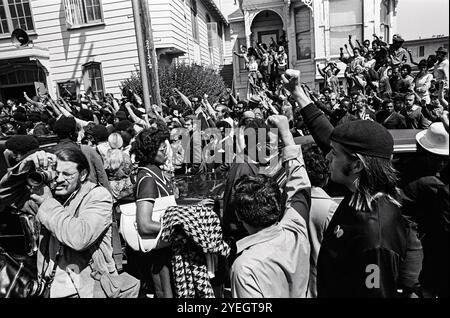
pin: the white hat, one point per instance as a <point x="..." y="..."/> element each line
<point x="435" y="139"/>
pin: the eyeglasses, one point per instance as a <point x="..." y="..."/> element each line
<point x="66" y="176"/>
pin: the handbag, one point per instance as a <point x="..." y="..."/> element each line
<point x="128" y="225"/>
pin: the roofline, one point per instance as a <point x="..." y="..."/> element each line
<point x="216" y="10"/>
<point x="428" y="39"/>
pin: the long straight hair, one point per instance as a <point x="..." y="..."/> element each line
<point x="377" y="179"/>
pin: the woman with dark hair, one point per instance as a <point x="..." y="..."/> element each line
<point x="151" y="190"/>
<point x="422" y="82"/>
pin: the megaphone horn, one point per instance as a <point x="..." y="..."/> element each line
<point x="19" y="37"/>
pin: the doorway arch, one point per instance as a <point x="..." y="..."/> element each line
<point x="266" y="24"/>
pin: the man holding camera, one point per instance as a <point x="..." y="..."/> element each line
<point x="75" y="214"/>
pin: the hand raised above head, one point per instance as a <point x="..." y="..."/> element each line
<point x="291" y="81"/>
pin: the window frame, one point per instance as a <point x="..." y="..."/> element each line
<point x="359" y="36"/>
<point x="10" y="22"/>
<point x="194" y="20"/>
<point x="385" y="21"/>
<point x="421" y="51"/>
<point x="71" y="25"/>
<point x="85" y="76"/>
<point x="297" y="57"/>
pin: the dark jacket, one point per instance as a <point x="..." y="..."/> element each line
<point x="426" y="200"/>
<point x="370" y="238"/>
<point x="391" y="121"/>
<point x="362" y="253"/>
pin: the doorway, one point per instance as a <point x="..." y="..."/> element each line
<point x="16" y="92"/>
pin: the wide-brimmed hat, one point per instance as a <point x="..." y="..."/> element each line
<point x="442" y="50"/>
<point x="435" y="139"/>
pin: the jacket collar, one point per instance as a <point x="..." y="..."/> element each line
<point x="259" y="237"/>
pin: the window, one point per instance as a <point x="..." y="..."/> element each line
<point x="194" y="21"/>
<point x="384" y="18"/>
<point x="219" y="29"/>
<point x="212" y="39"/>
<point x="82" y="12"/>
<point x="93" y="80"/>
<point x="68" y="89"/>
<point x="346" y="17"/>
<point x="303" y="33"/>
<point x="15" y="14"/>
<point x="421" y="51"/>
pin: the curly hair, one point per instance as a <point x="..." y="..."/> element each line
<point x="258" y="201"/>
<point x="147" y="142"/>
<point x="316" y="165"/>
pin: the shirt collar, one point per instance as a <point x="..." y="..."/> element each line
<point x="259" y="237"/>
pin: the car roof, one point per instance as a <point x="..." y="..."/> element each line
<point x="404" y="140"/>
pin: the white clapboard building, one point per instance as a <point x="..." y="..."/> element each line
<point x="77" y="44"/>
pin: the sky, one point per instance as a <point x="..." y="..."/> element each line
<point x="432" y="14"/>
<point x="422" y="18"/>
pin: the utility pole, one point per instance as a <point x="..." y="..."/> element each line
<point x="152" y="60"/>
<point x="141" y="54"/>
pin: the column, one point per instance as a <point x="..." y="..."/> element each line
<point x="247" y="26"/>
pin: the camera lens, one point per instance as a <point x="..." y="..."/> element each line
<point x="36" y="178"/>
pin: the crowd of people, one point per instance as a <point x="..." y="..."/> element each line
<point x="287" y="237"/>
<point x="380" y="83"/>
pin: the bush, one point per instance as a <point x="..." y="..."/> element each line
<point x="191" y="79"/>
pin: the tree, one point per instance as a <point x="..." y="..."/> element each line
<point x="191" y="79"/>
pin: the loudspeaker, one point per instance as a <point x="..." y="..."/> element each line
<point x="19" y="37"/>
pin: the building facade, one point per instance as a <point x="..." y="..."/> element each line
<point x="314" y="29"/>
<point x="422" y="48"/>
<point x="91" y="44"/>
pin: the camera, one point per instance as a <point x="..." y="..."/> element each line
<point x="37" y="288"/>
<point x="40" y="177"/>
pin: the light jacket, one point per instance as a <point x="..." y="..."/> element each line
<point x="86" y="236"/>
<point x="274" y="262"/>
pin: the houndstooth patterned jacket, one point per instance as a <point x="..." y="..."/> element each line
<point x="193" y="231"/>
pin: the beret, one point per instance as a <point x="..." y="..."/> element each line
<point x="365" y="137"/>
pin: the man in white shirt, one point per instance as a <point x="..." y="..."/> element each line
<point x="441" y="69"/>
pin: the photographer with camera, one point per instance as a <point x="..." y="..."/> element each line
<point x="75" y="250"/>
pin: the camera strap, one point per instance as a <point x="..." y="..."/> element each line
<point x="50" y="279"/>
